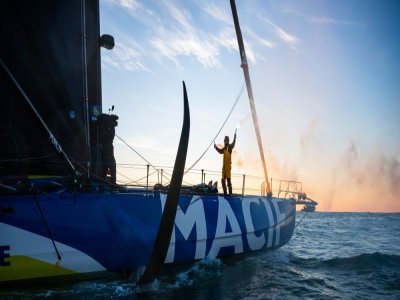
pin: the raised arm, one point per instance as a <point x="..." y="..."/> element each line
<point x="220" y="151"/>
<point x="233" y="143"/>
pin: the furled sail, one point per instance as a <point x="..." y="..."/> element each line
<point x="51" y="48"/>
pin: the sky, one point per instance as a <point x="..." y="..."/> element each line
<point x="326" y="83"/>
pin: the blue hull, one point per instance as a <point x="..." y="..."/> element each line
<point x="116" y="231"/>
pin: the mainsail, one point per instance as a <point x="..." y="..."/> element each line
<point x="43" y="46"/>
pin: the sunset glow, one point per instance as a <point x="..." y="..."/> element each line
<point x="325" y="77"/>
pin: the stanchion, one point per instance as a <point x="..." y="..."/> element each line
<point x="244" y="180"/>
<point x="147" y="178"/>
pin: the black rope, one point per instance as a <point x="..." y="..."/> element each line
<point x="141" y="178"/>
<point x="43" y="218"/>
<point x="131" y="180"/>
<point x="130" y="147"/>
<point x="142" y="157"/>
<point x="38" y="205"/>
<point x="157" y="170"/>
<point x="301" y="219"/>
<point x="219" y="131"/>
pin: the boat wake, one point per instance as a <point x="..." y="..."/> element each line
<point x="198" y="274"/>
<point x="205" y="268"/>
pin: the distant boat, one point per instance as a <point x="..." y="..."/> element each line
<point x="308" y="208"/>
<point x="58" y="217"/>
<point x="309" y="204"/>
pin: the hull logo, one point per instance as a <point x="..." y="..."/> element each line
<point x="231" y="230"/>
<point x="4" y="254"/>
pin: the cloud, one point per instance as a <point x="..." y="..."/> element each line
<point x="172" y="33"/>
<point x="326" y="20"/>
<point x="264" y="42"/>
<point x="283" y="35"/>
<point x="227" y="36"/>
<point x="187" y="41"/>
<point x="138" y="11"/>
<point x="175" y="44"/>
<point x="227" y="39"/>
<point x="320" y="19"/>
<point x="217" y="13"/>
<point x="126" y="55"/>
<point x="130" y="5"/>
<point x="250" y="53"/>
<point x="182" y="16"/>
<point x="289" y="39"/>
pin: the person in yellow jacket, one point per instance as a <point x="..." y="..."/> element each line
<point x="227" y="162"/>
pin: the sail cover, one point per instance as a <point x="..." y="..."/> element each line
<point x="43" y="46"/>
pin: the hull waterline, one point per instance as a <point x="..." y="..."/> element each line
<point x="95" y="232"/>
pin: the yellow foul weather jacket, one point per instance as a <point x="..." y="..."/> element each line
<point x="227" y="159"/>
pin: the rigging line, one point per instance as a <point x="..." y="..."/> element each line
<point x="93" y="174"/>
<point x="141" y="156"/>
<point x="130" y="147"/>
<point x="44" y="219"/>
<point x="52" y="138"/>
<point x="141" y="178"/>
<point x="219" y="131"/>
<point x="102" y="180"/>
<point x="301" y="219"/>
<point x="38" y="206"/>
<point x="8" y="187"/>
<point x="137" y="180"/>
<point x="131" y="180"/>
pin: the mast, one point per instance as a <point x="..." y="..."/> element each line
<point x="246" y="73"/>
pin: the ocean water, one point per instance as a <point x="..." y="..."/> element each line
<point x="330" y="256"/>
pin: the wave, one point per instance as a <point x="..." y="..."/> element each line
<point x="364" y="261"/>
<point x="358" y="262"/>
